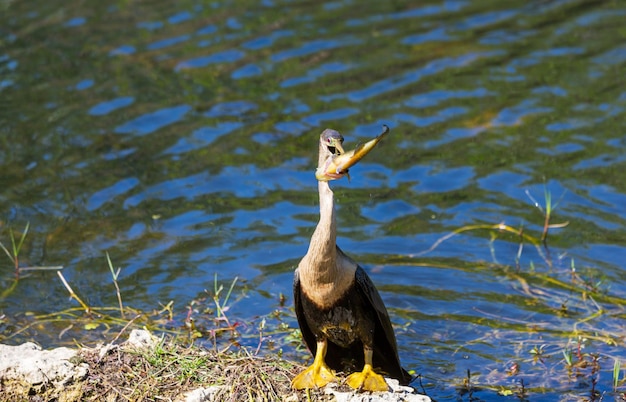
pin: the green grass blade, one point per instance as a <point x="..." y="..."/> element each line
<point x="19" y="246"/>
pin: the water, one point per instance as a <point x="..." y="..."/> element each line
<point x="180" y="137"/>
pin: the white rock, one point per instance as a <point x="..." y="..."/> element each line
<point x="398" y="393"/>
<point x="201" y="394"/>
<point x="28" y="363"/>
<point x="141" y="339"/>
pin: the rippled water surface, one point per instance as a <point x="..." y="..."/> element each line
<point x="181" y="138"/>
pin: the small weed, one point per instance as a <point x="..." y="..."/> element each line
<point x="569" y="358"/>
<point x="547" y="213"/>
<point x="15" y="248"/>
<point x="14" y="257"/>
<point x="616" y="372"/>
<point x="115" y="274"/>
<point x="538" y="353"/>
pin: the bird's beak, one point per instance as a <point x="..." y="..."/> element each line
<point x="336" y="166"/>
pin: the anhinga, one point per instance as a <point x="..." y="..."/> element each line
<point x="340" y="313"/>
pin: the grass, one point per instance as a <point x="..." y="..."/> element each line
<point x="115" y="274"/>
<point x="14" y="257"/>
<point x="171" y="368"/>
<point x="15" y="249"/>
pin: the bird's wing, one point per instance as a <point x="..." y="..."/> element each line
<point x="385" y="347"/>
<point x="370" y="292"/>
<point x="307" y="334"/>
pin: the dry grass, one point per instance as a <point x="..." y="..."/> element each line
<point x="168" y="371"/>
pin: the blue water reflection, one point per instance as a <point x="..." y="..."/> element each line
<point x="202" y="137"/>
<point x="109" y="194"/>
<point x="411" y="77"/>
<point x="151" y="122"/>
<point x="107" y="107"/>
<point x="226" y="56"/>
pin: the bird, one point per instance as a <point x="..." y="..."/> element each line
<point x="342" y="318"/>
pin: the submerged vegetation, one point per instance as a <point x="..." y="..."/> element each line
<point x="573" y="357"/>
<point x="204" y="317"/>
<point x="202" y="339"/>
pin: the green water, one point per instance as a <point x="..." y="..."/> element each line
<point x="181" y="138"/>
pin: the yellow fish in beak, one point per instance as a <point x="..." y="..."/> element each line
<point x="337" y="164"/>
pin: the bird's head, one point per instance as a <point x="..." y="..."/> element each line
<point x="334" y="162"/>
<point x="330" y="147"/>
<point x="332" y="140"/>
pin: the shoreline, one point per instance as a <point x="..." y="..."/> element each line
<point x="144" y="368"/>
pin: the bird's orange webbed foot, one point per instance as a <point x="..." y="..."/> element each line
<point x="316" y="376"/>
<point x="367" y="380"/>
<point x="319" y="374"/>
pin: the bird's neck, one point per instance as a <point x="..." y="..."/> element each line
<point x="325" y="271"/>
<point x="323" y="155"/>
<point x="322" y="254"/>
<point x="326" y="230"/>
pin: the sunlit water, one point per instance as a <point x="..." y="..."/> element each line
<point x="181" y="138"/>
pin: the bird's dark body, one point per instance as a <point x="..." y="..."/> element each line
<point x="357" y="319"/>
<point x="343" y="320"/>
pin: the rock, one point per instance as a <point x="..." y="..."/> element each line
<point x="28" y="363"/>
<point x="398" y="393"/>
<point x="201" y="394"/>
<point x="291" y="398"/>
<point x="141" y="339"/>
